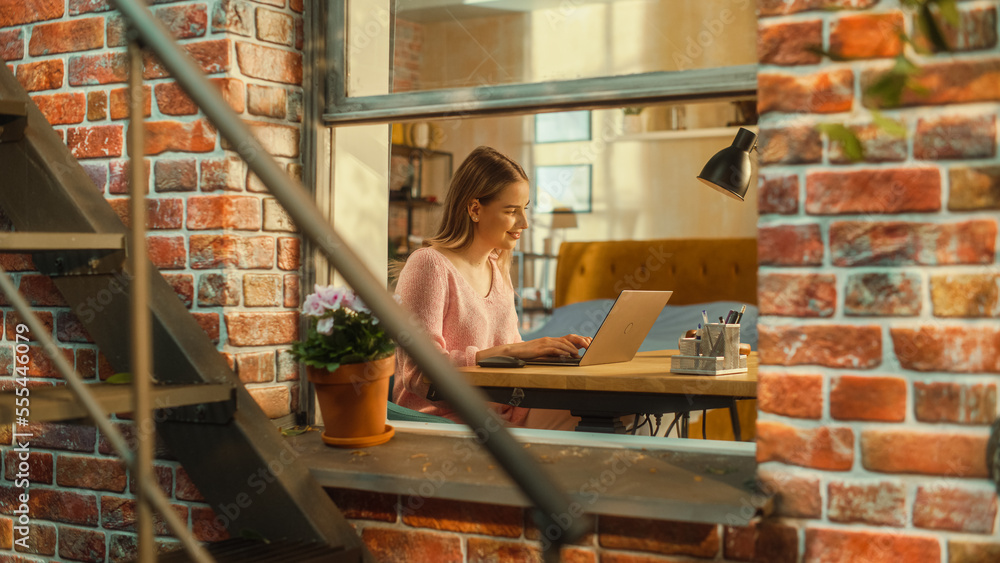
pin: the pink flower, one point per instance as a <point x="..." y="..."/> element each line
<point x="331" y="297"/>
<point x="325" y="326"/>
<point x="312" y="306"/>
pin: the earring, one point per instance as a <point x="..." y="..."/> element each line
<point x="476" y="219"/>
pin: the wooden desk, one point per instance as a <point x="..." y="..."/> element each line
<point x="601" y="395"/>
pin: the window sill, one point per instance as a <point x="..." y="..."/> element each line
<point x="635" y="476"/>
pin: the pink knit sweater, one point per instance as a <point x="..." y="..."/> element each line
<point x="460" y="321"/>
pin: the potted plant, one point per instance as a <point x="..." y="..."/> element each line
<point x="632" y="121"/>
<point x="349" y="359"/>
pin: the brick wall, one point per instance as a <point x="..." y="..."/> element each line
<point x="878" y="286"/>
<point x="224" y="244"/>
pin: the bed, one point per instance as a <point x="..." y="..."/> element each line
<point x="715" y="275"/>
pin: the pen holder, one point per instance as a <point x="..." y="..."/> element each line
<point x="729" y="348"/>
<point x="696" y="355"/>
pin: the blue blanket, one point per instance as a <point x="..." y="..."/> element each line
<point x="585" y="318"/>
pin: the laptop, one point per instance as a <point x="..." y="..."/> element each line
<point x="621" y="333"/>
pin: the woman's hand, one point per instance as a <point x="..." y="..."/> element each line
<point x="568" y="345"/>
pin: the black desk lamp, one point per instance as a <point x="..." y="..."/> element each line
<point x="729" y="170"/>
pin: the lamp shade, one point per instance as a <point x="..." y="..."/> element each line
<point x="729" y="170"/>
<point x="563" y="218"/>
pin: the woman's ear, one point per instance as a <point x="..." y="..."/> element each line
<point x="474" y="209"/>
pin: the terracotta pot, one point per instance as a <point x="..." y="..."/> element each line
<point x="352" y="400"/>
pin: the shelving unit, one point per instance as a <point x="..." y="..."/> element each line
<point x="418" y="182"/>
<point x="682" y="134"/>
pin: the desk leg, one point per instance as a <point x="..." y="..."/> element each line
<point x="685" y="419"/>
<point x="591" y="422"/>
<point x="734" y="417"/>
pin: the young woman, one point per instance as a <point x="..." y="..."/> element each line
<point x="459" y="288"/>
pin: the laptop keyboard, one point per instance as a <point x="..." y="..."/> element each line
<point x="555" y="360"/>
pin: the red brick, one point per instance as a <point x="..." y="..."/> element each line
<point x="464" y="517"/>
<point x="186" y="489"/>
<point x="878" y="144"/>
<point x="212" y="56"/>
<point x="38" y="465"/>
<point x="234" y="16"/>
<point x="209" y="322"/>
<point x="103" y="68"/>
<point x="167" y="253"/>
<point x="98" y="141"/>
<point x="291" y="294"/>
<point x="81" y="472"/>
<point x="659" y="536"/>
<point x="868" y="398"/>
<point x="906" y="451"/>
<point x="40" y="365"/>
<point x="223" y="174"/>
<point x="41" y="75"/>
<point x="288" y="253"/>
<point x="41" y="541"/>
<point x="160" y="213"/>
<point x="17" y="12"/>
<point x="773" y="543"/>
<point x="795" y="395"/>
<point x="391" y="545"/>
<point x="97" y="105"/>
<point x="874" y="191"/>
<point x="939" y="83"/>
<point x="896" y="243"/>
<point x="176" y="175"/>
<point x="13" y="318"/>
<point x="296" y="5"/>
<point x="118" y="513"/>
<point x="778" y="195"/>
<point x="219" y="290"/>
<point x="262" y="329"/>
<point x="789" y="245"/>
<point x="956" y="349"/>
<point x="275" y="27"/>
<point x="70" y="329"/>
<point x="790" y="145"/>
<point x="16" y="263"/>
<point x="276" y="218"/>
<point x="266" y="101"/>
<point x="829" y="448"/>
<point x="849" y="546"/>
<point x="232" y="92"/>
<point x="268" y="63"/>
<point x="973" y="551"/>
<point x="296" y="109"/>
<point x="69" y="437"/>
<point x="781" y="7"/>
<point x="63" y="506"/>
<point x="66" y="36"/>
<point x="119" y="176"/>
<point x="273" y="400"/>
<point x="965" y="295"/>
<point x="954" y="402"/>
<point x="974" y="187"/>
<point x="60" y="109"/>
<point x="955" y="137"/>
<point x="12" y="45"/>
<point x="977" y="29"/>
<point x="262" y="290"/>
<point x="183" y="286"/>
<point x="119" y="103"/>
<point x="789" y="43"/>
<point x="212" y="251"/>
<point x="277" y="140"/>
<point x="184" y="22"/>
<point x="224" y="212"/>
<point x="40" y="291"/>
<point x="483" y="550"/>
<point x="191" y="136"/>
<point x="867" y="36"/>
<point x="883" y="294"/>
<point x="90" y="364"/>
<point x="836" y="346"/>
<point x="797" y="295"/>
<point x="164" y="476"/>
<point x="828" y="91"/>
<point x="206" y="526"/>
<point x="255" y="367"/>
<point x="172" y="100"/>
<point x="81" y="545"/>
<point x="957" y="509"/>
<point x="881" y="503"/>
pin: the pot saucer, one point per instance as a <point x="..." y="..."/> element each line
<point x="360" y="441"/>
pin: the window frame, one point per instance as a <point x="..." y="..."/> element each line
<point x="709" y="84"/>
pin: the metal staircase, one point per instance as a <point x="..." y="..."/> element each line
<point x="211" y="424"/>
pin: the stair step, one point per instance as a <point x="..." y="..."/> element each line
<point x="59" y="403"/>
<point x="252" y="551"/>
<point x="35" y="242"/>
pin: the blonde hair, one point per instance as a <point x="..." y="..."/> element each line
<point x="482" y="175"/>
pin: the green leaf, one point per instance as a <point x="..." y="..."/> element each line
<point x="293" y="431"/>
<point x="123" y="378"/>
<point x="890" y="126"/>
<point x="949" y="11"/>
<point x="929" y="25"/>
<point x="848" y="140"/>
